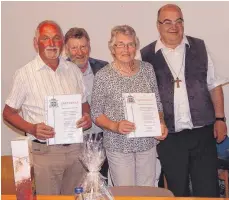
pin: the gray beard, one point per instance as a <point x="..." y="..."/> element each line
<point x="78" y="64"/>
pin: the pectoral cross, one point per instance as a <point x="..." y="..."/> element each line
<point x="177" y="81"/>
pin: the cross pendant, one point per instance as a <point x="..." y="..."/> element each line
<point x="177" y="81"/>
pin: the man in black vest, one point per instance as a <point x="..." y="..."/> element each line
<point x="193" y="106"/>
<point x="77" y="47"/>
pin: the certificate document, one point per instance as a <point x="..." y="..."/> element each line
<point x="141" y="109"/>
<point x="62" y="112"/>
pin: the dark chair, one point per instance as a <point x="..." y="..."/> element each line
<point x="223" y="167"/>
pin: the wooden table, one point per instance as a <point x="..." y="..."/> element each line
<point x="13" y="197"/>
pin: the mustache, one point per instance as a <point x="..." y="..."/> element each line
<point x="51" y="48"/>
<point x="78" y="57"/>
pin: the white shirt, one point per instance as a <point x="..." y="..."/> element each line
<point x="175" y="59"/>
<point x="36" y="80"/>
<point x="88" y="78"/>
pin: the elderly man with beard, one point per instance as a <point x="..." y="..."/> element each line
<point x="57" y="168"/>
<point x="77" y="47"/>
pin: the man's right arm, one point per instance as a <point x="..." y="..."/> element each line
<point x="40" y="130"/>
<point x="11" y="115"/>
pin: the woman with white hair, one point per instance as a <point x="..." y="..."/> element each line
<point x="131" y="160"/>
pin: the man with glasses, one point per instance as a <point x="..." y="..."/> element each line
<point x="77" y="47"/>
<point x="193" y="104"/>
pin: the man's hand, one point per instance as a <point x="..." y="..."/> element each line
<point x="125" y="127"/>
<point x="164" y="132"/>
<point x="220" y="131"/>
<point x="42" y="131"/>
<point x="85" y="122"/>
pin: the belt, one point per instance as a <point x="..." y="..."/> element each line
<point x="37" y="141"/>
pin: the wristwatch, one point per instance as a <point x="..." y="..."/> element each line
<point x="220" y="119"/>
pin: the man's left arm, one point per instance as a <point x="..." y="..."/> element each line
<point x="215" y="87"/>
<point x="85" y="122"/>
<point x="220" y="127"/>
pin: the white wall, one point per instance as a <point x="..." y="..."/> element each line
<point x="206" y="20"/>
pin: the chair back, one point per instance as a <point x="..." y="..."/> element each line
<point x="223" y="174"/>
<point x="147" y="191"/>
<point x="7" y="178"/>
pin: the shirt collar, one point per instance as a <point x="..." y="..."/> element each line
<point x="88" y="70"/>
<point x="42" y="65"/>
<point x="159" y="45"/>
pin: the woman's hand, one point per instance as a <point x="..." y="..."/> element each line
<point x="164" y="132"/>
<point x="125" y="127"/>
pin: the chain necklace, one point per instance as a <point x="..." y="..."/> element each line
<point x="132" y="68"/>
<point x="177" y="80"/>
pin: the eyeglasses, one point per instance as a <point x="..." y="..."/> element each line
<point x="82" y="48"/>
<point x="170" y="23"/>
<point x="121" y="45"/>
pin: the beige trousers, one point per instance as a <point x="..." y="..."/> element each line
<point x="132" y="169"/>
<point x="57" y="168"/>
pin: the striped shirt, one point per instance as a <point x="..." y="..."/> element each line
<point x="36" y="80"/>
<point x="88" y="77"/>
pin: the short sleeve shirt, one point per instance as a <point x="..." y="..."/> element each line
<point x="108" y="87"/>
<point x="36" y="80"/>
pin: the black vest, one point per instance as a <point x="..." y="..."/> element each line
<point x="196" y="65"/>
